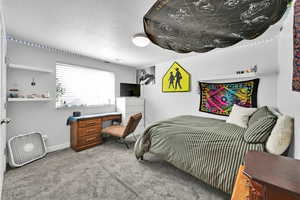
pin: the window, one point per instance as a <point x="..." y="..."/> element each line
<point x="82" y="86"/>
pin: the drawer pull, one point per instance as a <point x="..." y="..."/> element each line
<point x="91" y="130"/>
<point x="91" y="123"/>
<point x="91" y="139"/>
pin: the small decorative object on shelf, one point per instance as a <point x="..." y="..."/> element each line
<point x="13" y="93"/>
<point x="76" y="114"/>
<point x="47" y="95"/>
<point x="32" y="96"/>
<point x="15" y="96"/>
<point x="249" y="70"/>
<point x="33" y="83"/>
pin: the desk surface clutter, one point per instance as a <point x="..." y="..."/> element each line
<point x="72" y="118"/>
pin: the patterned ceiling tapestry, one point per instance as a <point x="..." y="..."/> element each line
<point x="218" y="98"/>
<point x="202" y="25"/>
<point x="296" y="74"/>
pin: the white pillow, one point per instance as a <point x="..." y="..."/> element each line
<point x="281" y="135"/>
<point x="240" y="115"/>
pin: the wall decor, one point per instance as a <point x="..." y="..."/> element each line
<point x="296" y="73"/>
<point x="146" y="76"/>
<point x="33" y="83"/>
<point x="218" y="98"/>
<point x="202" y="25"/>
<point x="176" y="79"/>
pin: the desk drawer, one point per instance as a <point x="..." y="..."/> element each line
<point x="90" y="130"/>
<point x="89" y="122"/>
<point x="114" y="117"/>
<point x="90" y="139"/>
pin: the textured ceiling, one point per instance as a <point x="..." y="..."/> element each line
<point x="100" y="29"/>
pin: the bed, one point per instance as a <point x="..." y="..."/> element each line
<point x="209" y="149"/>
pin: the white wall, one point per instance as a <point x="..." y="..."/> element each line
<point x="288" y="100"/>
<point x="44" y="117"/>
<point x="223" y="62"/>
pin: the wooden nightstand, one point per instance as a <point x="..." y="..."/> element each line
<point x="267" y="177"/>
<point x="272" y="177"/>
<point x="241" y="189"/>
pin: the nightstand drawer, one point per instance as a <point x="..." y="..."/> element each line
<point x="89" y="122"/>
<point x="90" y="130"/>
<point x="90" y="139"/>
<point x="257" y="191"/>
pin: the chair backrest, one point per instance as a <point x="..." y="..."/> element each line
<point x="132" y="124"/>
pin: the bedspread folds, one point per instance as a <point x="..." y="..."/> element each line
<point x="208" y="149"/>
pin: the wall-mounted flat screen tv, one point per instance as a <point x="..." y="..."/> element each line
<point x="130" y="90"/>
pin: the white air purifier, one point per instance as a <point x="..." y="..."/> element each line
<point x="24" y="149"/>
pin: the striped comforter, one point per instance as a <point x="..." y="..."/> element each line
<point x="208" y="149"/>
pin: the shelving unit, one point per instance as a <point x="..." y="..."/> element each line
<point x="29" y="99"/>
<point x="238" y="76"/>
<point x="29" y="68"/>
<point x="33" y="69"/>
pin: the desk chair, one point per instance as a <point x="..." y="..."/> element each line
<point x="121" y="132"/>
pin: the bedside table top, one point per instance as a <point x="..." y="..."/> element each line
<point x="279" y="171"/>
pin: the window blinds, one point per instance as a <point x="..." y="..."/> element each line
<point x="82" y="86"/>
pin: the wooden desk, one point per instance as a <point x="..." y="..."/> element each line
<point x="86" y="130"/>
<point x="272" y="177"/>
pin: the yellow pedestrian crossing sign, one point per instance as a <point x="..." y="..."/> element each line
<point x="176" y="79"/>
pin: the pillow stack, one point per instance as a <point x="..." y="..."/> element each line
<point x="281" y="135"/>
<point x="240" y="115"/>
<point x="264" y="126"/>
<point x="260" y="126"/>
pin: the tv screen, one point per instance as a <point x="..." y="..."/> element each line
<point x="130" y="90"/>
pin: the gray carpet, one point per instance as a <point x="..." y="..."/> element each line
<point x="106" y="172"/>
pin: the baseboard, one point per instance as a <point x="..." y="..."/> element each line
<point x="58" y="147"/>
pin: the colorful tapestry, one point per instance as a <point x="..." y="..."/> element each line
<point x="218" y="98"/>
<point x="296" y="74"/>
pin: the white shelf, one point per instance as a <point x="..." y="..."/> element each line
<point x="28" y="99"/>
<point x="238" y="76"/>
<point x="29" y="68"/>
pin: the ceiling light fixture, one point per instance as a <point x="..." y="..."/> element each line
<point x="140" y="40"/>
